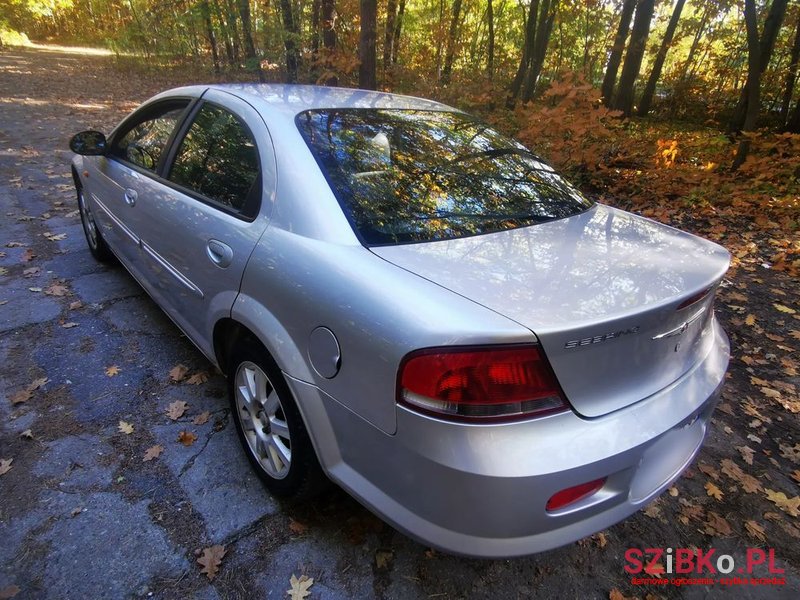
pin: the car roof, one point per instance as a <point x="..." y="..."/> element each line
<point x="289" y="100"/>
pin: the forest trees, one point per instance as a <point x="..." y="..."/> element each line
<point x="692" y="59"/>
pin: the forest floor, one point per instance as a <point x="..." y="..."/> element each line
<point x="85" y="355"/>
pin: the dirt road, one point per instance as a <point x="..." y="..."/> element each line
<point x="82" y="350"/>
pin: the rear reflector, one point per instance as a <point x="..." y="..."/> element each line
<point x="571" y="495"/>
<point x="480" y="384"/>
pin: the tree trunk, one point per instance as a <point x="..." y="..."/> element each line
<point x="234" y="29"/>
<point x="753" y="85"/>
<point x="698" y="36"/>
<point x="793" y="126"/>
<point x="315" y="9"/>
<point x="366" y="45"/>
<point x="388" y="40"/>
<point x="329" y="38"/>
<point x="490" y="46"/>
<point x="398" y="30"/>
<point x="451" y="43"/>
<point x="655" y="74"/>
<point x="205" y="9"/>
<point x="547" y="15"/>
<point x="623" y="99"/>
<point x="290" y="41"/>
<point x="247" y="29"/>
<point x="615" y="57"/>
<point x="527" y="51"/>
<point x="791" y="75"/>
<point x="772" y="25"/>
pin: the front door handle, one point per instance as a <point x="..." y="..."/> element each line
<point x="130" y="197"/>
<point x="219" y="253"/>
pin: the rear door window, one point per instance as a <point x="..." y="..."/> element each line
<point x="218" y="160"/>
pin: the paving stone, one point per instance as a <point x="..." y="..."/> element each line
<point x="106" y="286"/>
<point x="76" y="461"/>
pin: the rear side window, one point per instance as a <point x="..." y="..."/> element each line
<point x="143" y="144"/>
<point x="419" y="175"/>
<point x="218" y="159"/>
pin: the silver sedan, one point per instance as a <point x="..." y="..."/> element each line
<point x="414" y="306"/>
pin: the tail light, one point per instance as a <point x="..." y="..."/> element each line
<point x="480" y="384"/>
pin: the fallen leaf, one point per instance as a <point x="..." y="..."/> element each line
<point x="75" y="305"/>
<point x="710" y="471"/>
<point x="615" y="594"/>
<point x="14" y="245"/>
<point x="76" y="511"/>
<point x="202" y="418"/>
<point x="187" y="438"/>
<point x="27" y="434"/>
<point x="383" y="558"/>
<point x="211" y="559"/>
<point x="601" y="539"/>
<point x="713" y="490"/>
<point x="750" y="320"/>
<point x="299" y="589"/>
<point x="716" y="525"/>
<point x="9" y="592"/>
<point x="37" y="383"/>
<point x="178" y="373"/>
<point x="796" y="475"/>
<point x="152" y="452"/>
<point x="673" y="491"/>
<point x="57" y="290"/>
<point x="198" y="378"/>
<point x="21" y="396"/>
<point x="176" y="409"/>
<point x="792" y="453"/>
<point x="297" y="528"/>
<point x="787" y="505"/>
<point x="28" y="255"/>
<point x="773" y="516"/>
<point x="69" y="325"/>
<point x="55" y="237"/>
<point x="784" y="309"/>
<point x="747" y="453"/>
<point x="125" y="427"/>
<point x="112" y="371"/>
<point x="731" y="469"/>
<point x="5" y="465"/>
<point x="35" y="289"/>
<point x="755" y="530"/>
<point x="31" y="272"/>
<point x="653" y="511"/>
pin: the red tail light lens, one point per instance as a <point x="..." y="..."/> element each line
<point x="573" y="494"/>
<point x="480" y="384"/>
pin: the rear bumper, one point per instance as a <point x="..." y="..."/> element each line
<point x="481" y="490"/>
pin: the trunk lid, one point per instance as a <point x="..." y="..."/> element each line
<point x="602" y="291"/>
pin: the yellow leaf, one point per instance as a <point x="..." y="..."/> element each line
<point x="112" y="371"/>
<point x="786" y="504"/>
<point x="299" y="589"/>
<point x="784" y="309"/>
<point x="750" y="320"/>
<point x="125" y="427"/>
<point x="713" y="490"/>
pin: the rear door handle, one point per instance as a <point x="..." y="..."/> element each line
<point x="219" y="253"/>
<point x="130" y="197"/>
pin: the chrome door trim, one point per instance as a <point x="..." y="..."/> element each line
<point x="171" y="270"/>
<point x="134" y="238"/>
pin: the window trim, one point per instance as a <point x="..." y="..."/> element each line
<point x="253" y="201"/>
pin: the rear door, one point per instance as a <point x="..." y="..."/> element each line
<point x="201" y="218"/>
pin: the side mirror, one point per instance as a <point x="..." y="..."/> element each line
<point x="88" y="143"/>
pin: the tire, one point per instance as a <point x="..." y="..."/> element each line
<point x="97" y="245"/>
<point x="270" y="426"/>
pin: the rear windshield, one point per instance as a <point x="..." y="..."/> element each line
<point x="419" y="175"/>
